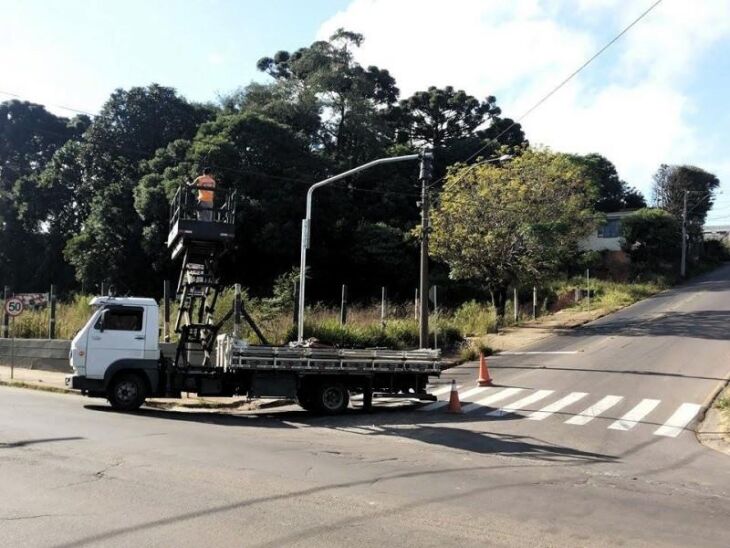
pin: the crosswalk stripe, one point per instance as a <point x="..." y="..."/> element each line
<point x="594" y="410"/>
<point x="443" y="390"/>
<point x="554" y="407"/>
<point x="633" y="417"/>
<point x="493" y="398"/>
<point x="473" y="392"/>
<point x="520" y="404"/>
<point x="679" y="419"/>
<point x="439" y="404"/>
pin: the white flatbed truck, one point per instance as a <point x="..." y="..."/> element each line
<point x="117" y="356"/>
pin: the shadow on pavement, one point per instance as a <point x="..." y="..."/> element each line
<point x="705" y="324"/>
<point x="209" y="417"/>
<point x="612" y="371"/>
<point x="23" y="443"/>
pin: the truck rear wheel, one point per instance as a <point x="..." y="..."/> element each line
<point x="306" y="398"/>
<point x="127" y="392"/>
<point x="332" y="398"/>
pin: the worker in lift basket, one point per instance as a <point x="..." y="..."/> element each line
<point x="205" y="197"/>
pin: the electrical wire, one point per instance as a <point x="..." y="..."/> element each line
<point x="559" y="86"/>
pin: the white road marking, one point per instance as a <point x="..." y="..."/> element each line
<point x="493" y="398"/>
<point x="676" y="423"/>
<point x="545" y="412"/>
<point x="594" y="410"/>
<point x="473" y="392"/>
<point x="633" y="417"/>
<point x="443" y="390"/>
<point x="520" y="404"/>
<point x="536" y="353"/>
<point x="439" y="404"/>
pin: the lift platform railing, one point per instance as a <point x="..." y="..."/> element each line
<point x="185" y="206"/>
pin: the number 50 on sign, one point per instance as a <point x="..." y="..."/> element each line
<point x="13" y="307"/>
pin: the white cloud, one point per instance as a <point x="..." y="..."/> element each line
<point x="633" y="105"/>
<point x="216" y="58"/>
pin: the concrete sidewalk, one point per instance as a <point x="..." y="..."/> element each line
<point x="533" y="331"/>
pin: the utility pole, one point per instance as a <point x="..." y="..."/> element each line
<point x="426" y="174"/>
<point x="683" y="266"/>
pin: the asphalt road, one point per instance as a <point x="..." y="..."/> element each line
<point x="615" y="465"/>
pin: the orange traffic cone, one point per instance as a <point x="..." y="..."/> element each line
<point x="484" y="378"/>
<point x="454" y="403"/>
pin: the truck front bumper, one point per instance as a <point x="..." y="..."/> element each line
<point x="78" y="382"/>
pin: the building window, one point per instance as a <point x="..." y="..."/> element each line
<point x="610" y="229"/>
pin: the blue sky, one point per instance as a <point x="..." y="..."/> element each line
<point x="657" y="96"/>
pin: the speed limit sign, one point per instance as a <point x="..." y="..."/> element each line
<point x="13" y="307"/>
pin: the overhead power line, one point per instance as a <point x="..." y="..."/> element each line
<point x="70" y="109"/>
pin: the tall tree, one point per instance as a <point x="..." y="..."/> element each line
<point x="454" y="124"/>
<point x="29" y="137"/>
<point x="439" y="116"/>
<point x="672" y="181"/>
<point x="515" y="224"/>
<point x="614" y="194"/>
<point x="353" y="127"/>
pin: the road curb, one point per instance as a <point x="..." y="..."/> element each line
<point x="33" y="386"/>
<point x="709" y="400"/>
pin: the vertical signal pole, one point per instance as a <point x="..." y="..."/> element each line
<point x="52" y="313"/>
<point x="6" y="290"/>
<point x="683" y="267"/>
<point x="426" y="174"/>
<point x="166" y="317"/>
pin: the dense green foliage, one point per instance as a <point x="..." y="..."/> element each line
<point x="651" y="237"/>
<point x="517" y="224"/>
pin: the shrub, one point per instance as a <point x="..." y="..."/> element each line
<point x="473" y="318"/>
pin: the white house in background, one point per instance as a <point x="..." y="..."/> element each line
<point x="607" y="237"/>
<point x="717" y="232"/>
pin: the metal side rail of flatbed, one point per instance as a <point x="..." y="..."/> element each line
<point x="235" y="355"/>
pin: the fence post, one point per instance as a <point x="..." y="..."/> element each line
<point x="6" y="318"/>
<point x="166" y="304"/>
<point x="103" y="294"/>
<point x="343" y="305"/>
<point x="415" y="306"/>
<point x="383" y="305"/>
<point x="295" y="297"/>
<point x="237" y="312"/>
<point x="52" y="310"/>
<point x="534" y="302"/>
<point x="434" y="298"/>
<point x="12" y="356"/>
<point x="515" y="304"/>
<point x="588" y="288"/>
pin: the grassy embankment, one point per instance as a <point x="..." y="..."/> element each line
<point x="457" y="329"/>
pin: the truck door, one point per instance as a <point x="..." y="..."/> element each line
<point x="117" y="334"/>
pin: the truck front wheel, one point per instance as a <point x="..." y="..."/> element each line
<point x="332" y="398"/>
<point x="127" y="392"/>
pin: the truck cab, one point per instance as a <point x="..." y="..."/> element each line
<point x="119" y="341"/>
